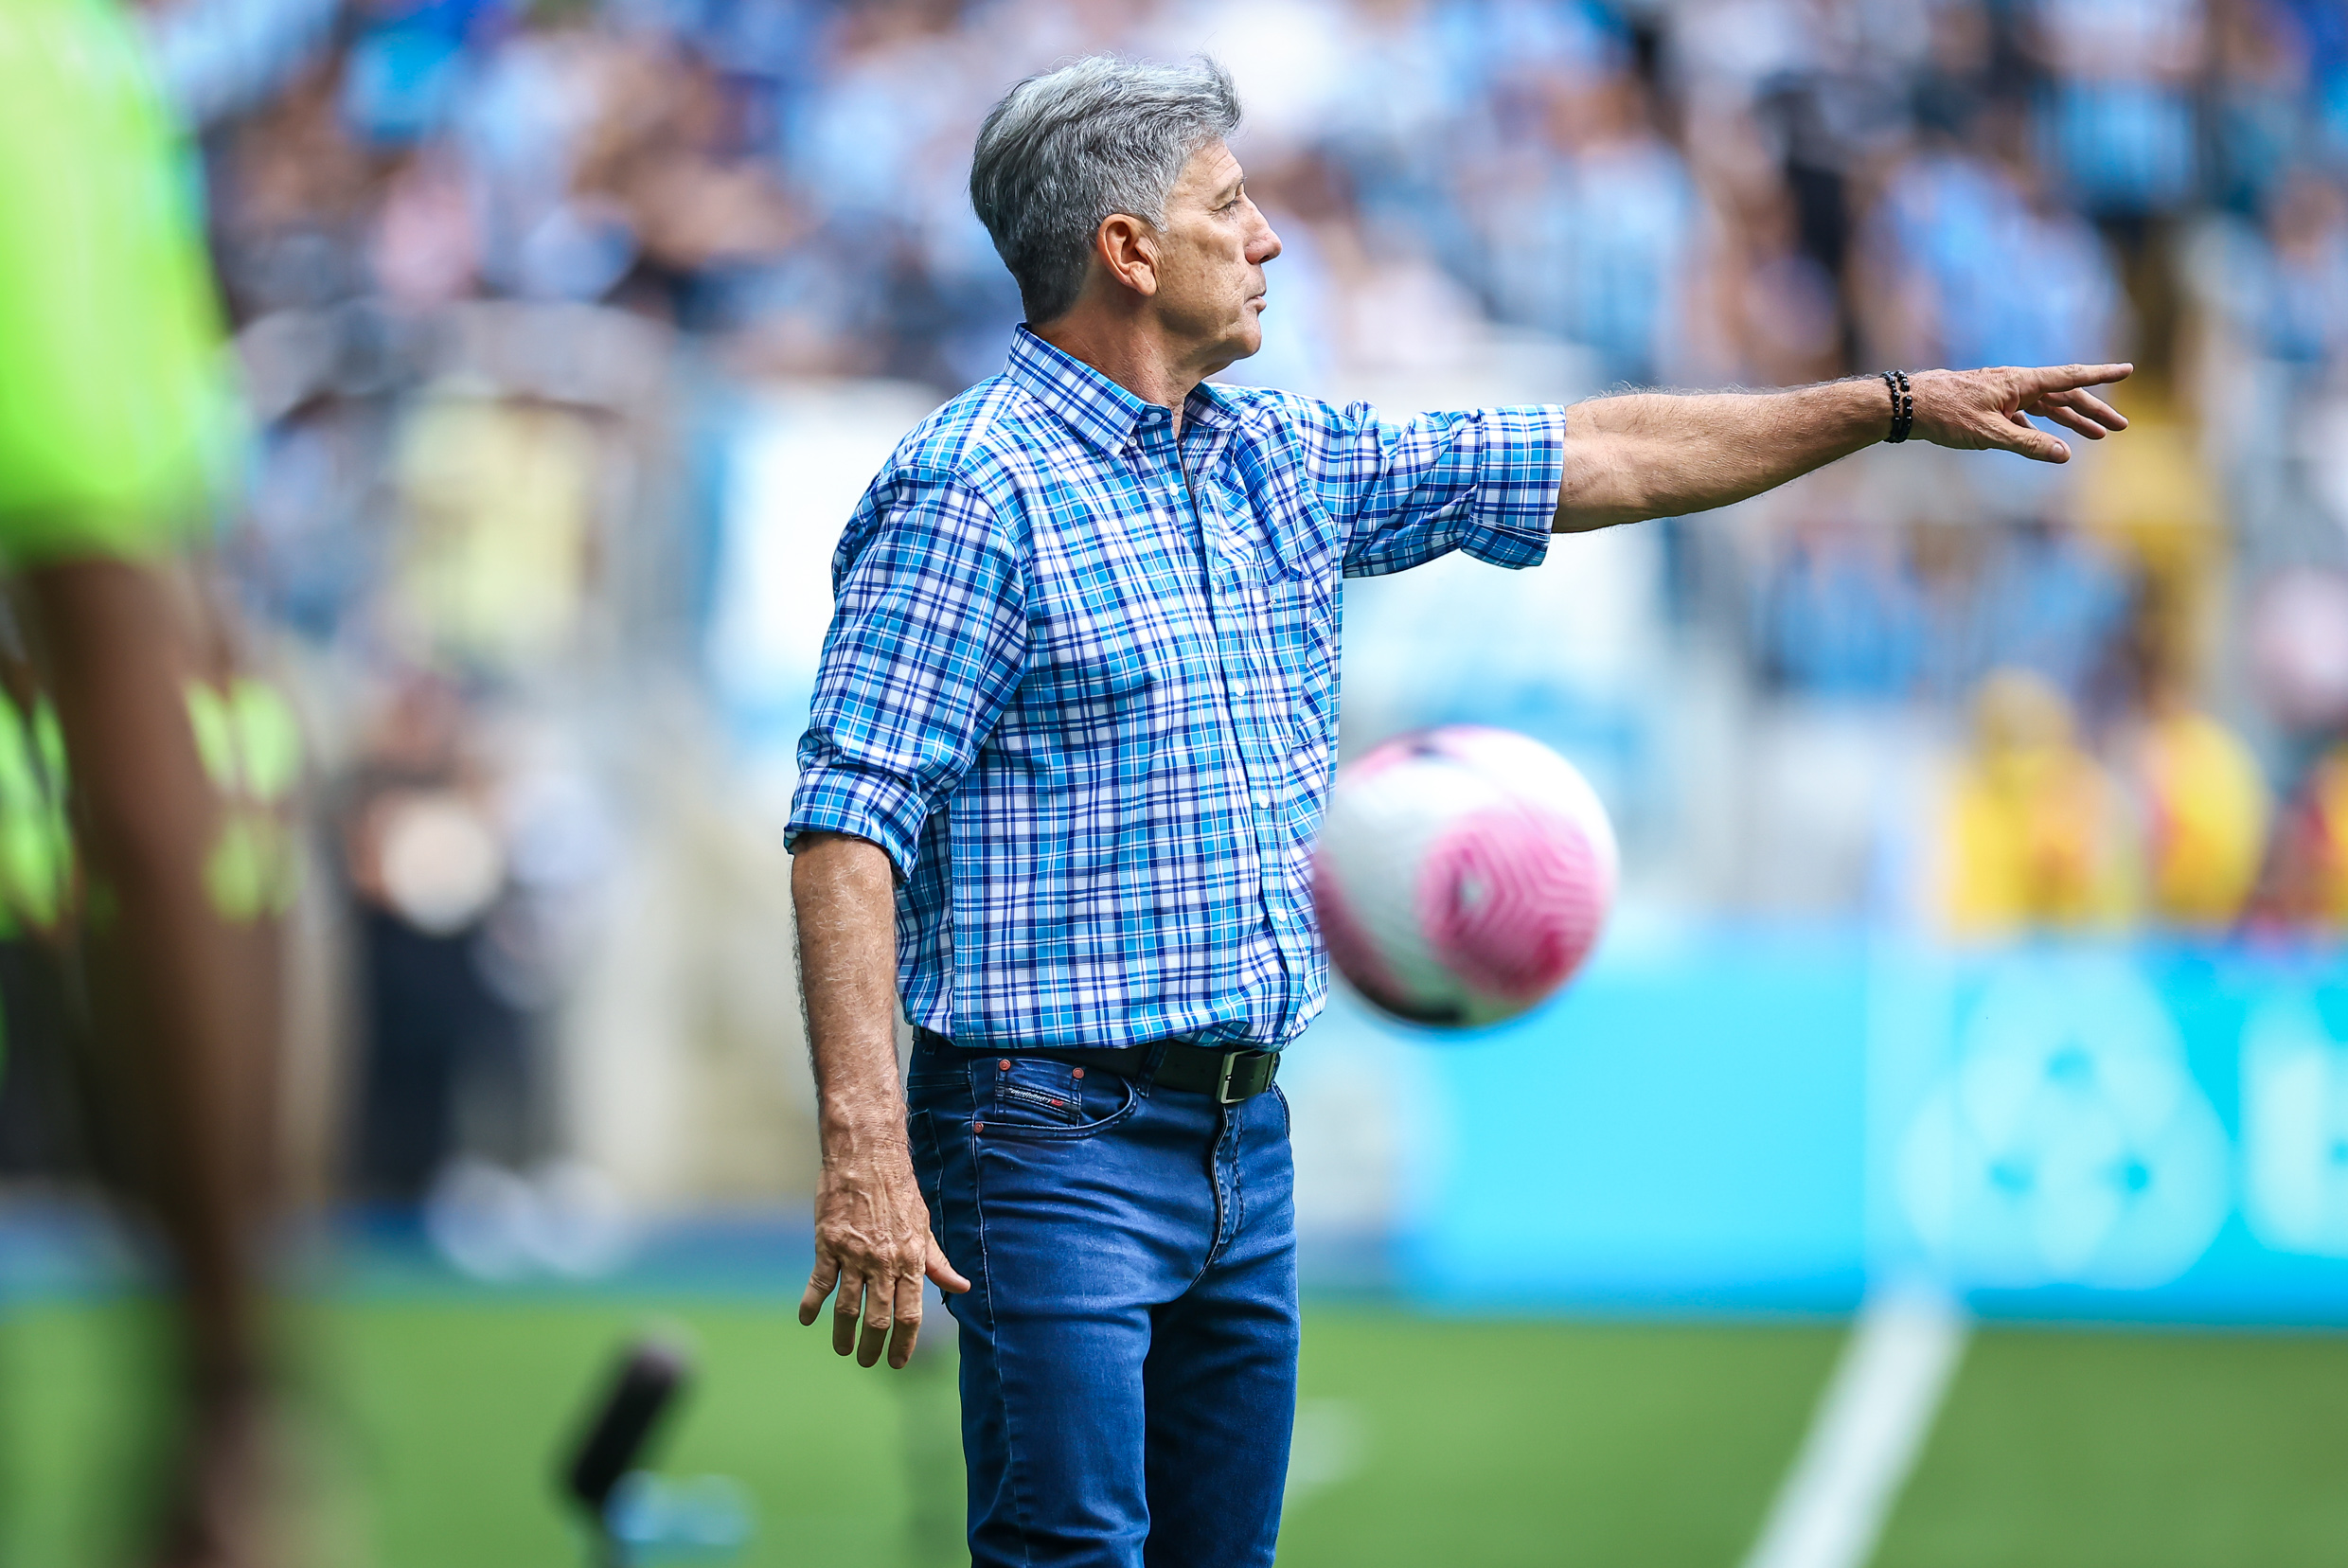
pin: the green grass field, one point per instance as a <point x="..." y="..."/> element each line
<point x="1421" y="1441"/>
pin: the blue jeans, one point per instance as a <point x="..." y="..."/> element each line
<point x="1129" y="1343"/>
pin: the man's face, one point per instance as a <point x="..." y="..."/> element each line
<point x="1211" y="268"/>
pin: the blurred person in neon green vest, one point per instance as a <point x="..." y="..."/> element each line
<point x="118" y="429"/>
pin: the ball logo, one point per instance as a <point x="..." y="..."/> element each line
<point x="2068" y="1144"/>
<point x="1463" y="874"/>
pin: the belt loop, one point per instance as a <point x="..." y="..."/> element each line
<point x="1153" y="1059"/>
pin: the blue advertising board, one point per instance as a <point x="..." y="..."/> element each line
<point x="1735" y="1120"/>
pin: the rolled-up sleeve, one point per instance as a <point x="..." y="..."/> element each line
<point x="1480" y="480"/>
<point x="928" y="641"/>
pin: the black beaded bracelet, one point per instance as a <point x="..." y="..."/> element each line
<point x="1903" y="406"/>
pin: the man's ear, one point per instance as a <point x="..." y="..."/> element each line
<point x="1127" y="249"/>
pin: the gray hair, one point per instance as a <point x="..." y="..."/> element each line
<point x="1064" y="151"/>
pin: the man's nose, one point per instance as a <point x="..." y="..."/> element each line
<point x="1264" y="245"/>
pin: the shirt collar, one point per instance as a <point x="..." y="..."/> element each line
<point x="1096" y="407"/>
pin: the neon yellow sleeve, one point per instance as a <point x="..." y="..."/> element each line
<point x="117" y="414"/>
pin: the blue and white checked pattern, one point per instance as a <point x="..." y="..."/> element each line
<point x="1089" y="709"/>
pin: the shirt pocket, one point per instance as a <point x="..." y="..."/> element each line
<point x="1271" y="559"/>
<point x="1300" y="629"/>
<point x="1290" y="605"/>
<point x="1280" y="523"/>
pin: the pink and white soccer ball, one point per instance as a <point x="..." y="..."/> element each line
<point x="1463" y="875"/>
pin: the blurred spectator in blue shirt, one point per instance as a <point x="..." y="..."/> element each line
<point x="1958" y="231"/>
<point x="2303" y="311"/>
<point x="2278" y="288"/>
<point x="2118" y="119"/>
<point x="1589" y="225"/>
<point x="1842" y="616"/>
<point x="2051" y="603"/>
<point x="2260" y="56"/>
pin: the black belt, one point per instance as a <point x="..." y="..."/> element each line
<point x="1229" y="1075"/>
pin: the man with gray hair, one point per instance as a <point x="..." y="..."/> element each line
<point x="1070" y="743"/>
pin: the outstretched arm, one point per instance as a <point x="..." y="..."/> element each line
<point x="1663" y="454"/>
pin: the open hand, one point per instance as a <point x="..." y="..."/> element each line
<point x="873" y="1243"/>
<point x="1981" y="409"/>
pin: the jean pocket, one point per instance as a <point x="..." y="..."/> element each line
<point x="1038" y="1096"/>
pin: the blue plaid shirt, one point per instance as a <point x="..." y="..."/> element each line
<point x="1087" y="703"/>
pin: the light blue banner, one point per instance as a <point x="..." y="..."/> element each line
<point x="1731" y="1119"/>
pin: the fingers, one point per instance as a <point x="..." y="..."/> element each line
<point x="881" y="1311"/>
<point x="908" y="1332"/>
<point x="2063" y="377"/>
<point x="942" y="1272"/>
<point x="880" y="1317"/>
<point x="873" y="1246"/>
<point x="2022" y="437"/>
<point x="2088" y="404"/>
<point x="2072" y="419"/>
<point x="1993" y="408"/>
<point x="908" y="1326"/>
<point x="827" y="1275"/>
<point x="844" y="1312"/>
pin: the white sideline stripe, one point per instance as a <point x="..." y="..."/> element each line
<point x="1870" y="1425"/>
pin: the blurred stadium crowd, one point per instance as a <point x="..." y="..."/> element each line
<point x="503" y="272"/>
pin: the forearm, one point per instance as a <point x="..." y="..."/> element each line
<point x="183" y="995"/>
<point x="1664" y="455"/>
<point x="845" y="896"/>
<point x="872" y="1231"/>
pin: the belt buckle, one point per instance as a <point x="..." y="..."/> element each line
<point x="1231" y="1065"/>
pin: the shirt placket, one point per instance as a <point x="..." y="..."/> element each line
<point x="1244" y="643"/>
<point x="1170" y="489"/>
